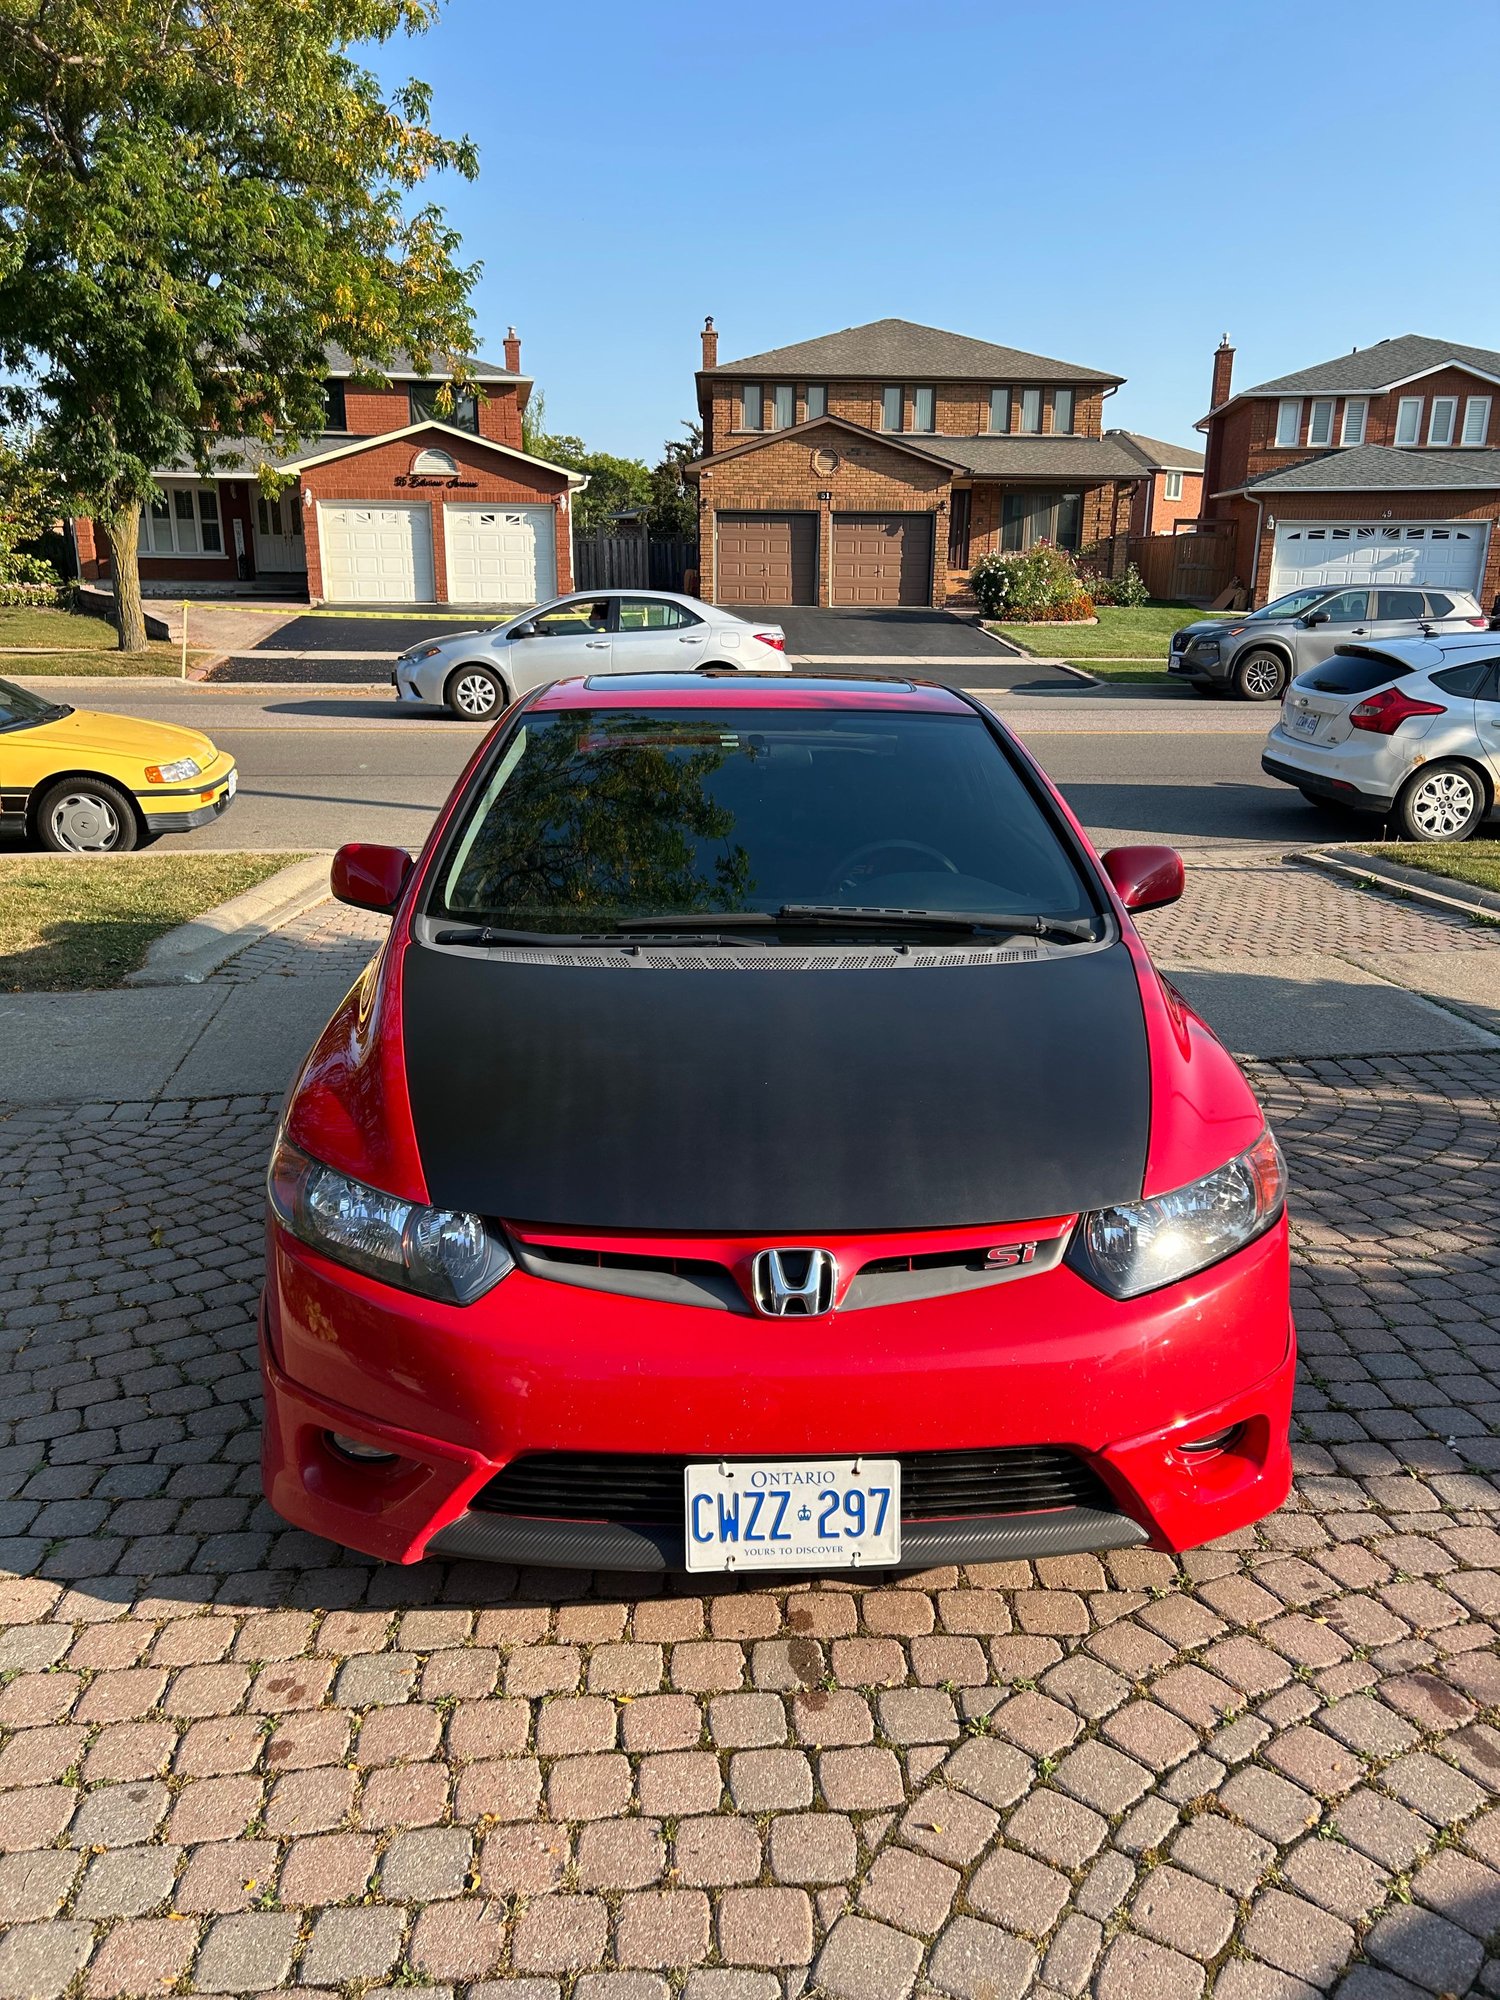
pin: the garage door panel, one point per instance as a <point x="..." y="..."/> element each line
<point x="767" y="558"/>
<point x="882" y="559"/>
<point x="500" y="555"/>
<point x="1437" y="553"/>
<point x="376" y="554"/>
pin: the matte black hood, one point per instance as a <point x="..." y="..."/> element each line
<point x="665" y="1099"/>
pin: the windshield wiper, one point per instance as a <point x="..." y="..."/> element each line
<point x="881" y="917"/>
<point x="483" y="935"/>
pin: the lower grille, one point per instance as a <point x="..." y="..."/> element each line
<point x="644" y="1489"/>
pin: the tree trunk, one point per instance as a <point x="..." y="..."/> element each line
<point x="121" y="526"/>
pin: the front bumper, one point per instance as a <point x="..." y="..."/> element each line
<point x="1193" y="667"/>
<point x="180" y="810"/>
<point x="540" y="1366"/>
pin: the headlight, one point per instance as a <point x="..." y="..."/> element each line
<point x="442" y="1253"/>
<point x="1206" y="646"/>
<point x="173" y="774"/>
<point x="1142" y="1245"/>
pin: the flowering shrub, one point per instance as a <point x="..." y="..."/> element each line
<point x="1129" y="589"/>
<point x="1039" y="583"/>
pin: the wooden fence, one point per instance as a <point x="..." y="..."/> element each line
<point x="1184" y="568"/>
<point x="602" y="561"/>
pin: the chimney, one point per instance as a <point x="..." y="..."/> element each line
<point x="1223" y="370"/>
<point x="512" y="350"/>
<point x="710" y="344"/>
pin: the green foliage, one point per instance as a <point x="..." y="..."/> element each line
<point x="28" y="508"/>
<point x="674" y="499"/>
<point x="1128" y="590"/>
<point x="1041" y="582"/>
<point x="193" y="201"/>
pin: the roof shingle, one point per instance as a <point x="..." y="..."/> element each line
<point x="1158" y="456"/>
<point x="907" y="352"/>
<point x="1369" y="369"/>
<point x="1381" y="468"/>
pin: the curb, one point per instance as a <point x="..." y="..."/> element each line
<point x="186" y="956"/>
<point x="1376" y="872"/>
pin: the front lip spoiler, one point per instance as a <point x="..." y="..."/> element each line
<point x="524" y="1539"/>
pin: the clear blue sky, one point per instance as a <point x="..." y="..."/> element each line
<point x="1115" y="185"/>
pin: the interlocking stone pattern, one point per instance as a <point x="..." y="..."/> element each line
<point x="235" y="1759"/>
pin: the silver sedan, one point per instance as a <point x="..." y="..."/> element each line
<point x="478" y="673"/>
<point x="1409" y="729"/>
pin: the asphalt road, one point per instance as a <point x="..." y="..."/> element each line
<point x="322" y="766"/>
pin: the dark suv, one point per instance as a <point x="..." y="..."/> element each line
<point x="1257" y="656"/>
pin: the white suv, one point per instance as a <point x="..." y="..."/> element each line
<point x="1409" y="729"/>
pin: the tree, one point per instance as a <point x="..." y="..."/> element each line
<point x="674" y="502"/>
<point x="28" y="510"/>
<point x="618" y="485"/>
<point x="195" y="199"/>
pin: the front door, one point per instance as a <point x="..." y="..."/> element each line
<point x="570" y="638"/>
<point x="279" y="544"/>
<point x="1340" y="620"/>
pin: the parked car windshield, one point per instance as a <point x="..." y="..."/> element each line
<point x="1291" y="606"/>
<point x="590" y="818"/>
<point x="21" y="709"/>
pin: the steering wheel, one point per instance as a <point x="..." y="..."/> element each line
<point x="843" y="877"/>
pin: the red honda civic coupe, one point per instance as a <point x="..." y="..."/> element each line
<point x="763" y="1142"/>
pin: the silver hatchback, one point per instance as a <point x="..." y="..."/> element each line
<point x="1409" y="729"/>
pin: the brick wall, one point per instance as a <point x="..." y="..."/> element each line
<point x="1152" y="513"/>
<point x="368" y="412"/>
<point x="95" y="555"/>
<point x="780" y="478"/>
<point x="963" y="408"/>
<point x="379" y="477"/>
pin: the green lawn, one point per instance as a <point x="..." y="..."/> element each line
<point x="28" y="625"/>
<point x="1476" y="862"/>
<point x="161" y="658"/>
<point x="78" y="920"/>
<point x="76" y="644"/>
<point x="1129" y="636"/>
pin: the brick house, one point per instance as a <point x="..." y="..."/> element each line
<point x="1380" y="466"/>
<point x="1170" y="493"/>
<point x="872" y="466"/>
<point x="391" y="504"/>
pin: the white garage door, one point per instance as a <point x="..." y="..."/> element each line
<point x="376" y="555"/>
<point x="500" y="555"/>
<point x="1434" y="552"/>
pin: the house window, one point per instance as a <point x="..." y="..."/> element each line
<point x="958" y="527"/>
<point x="423" y="404"/>
<point x="924" y="409"/>
<point x="1172" y="486"/>
<point x="783" y="406"/>
<point x="817" y="399"/>
<point x="1289" y="422"/>
<point x="750" y="407"/>
<point x="1444" y="418"/>
<point x="1476" y="420"/>
<point x="1062" y="412"/>
<point x="1046" y="516"/>
<point x="335" y="417"/>
<point x="890" y="408"/>
<point x="1408" y="420"/>
<point x="1320" y="422"/>
<point x="1355" y="410"/>
<point x="1031" y="409"/>
<point x="184" y="521"/>
<point x="1000" y="411"/>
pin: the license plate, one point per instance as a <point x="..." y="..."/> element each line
<point x="233" y="786"/>
<point x="1302" y="722"/>
<point x="793" y="1513"/>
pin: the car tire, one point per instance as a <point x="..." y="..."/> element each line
<point x="1444" y="801"/>
<point x="475" y="693"/>
<point x="1260" y="675"/>
<point x="87" y="816"/>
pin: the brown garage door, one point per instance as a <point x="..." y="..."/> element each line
<point x="767" y="559"/>
<point x="882" y="558"/>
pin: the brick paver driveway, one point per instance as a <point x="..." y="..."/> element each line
<point x="237" y="1759"/>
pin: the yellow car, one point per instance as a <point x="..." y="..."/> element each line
<point x="81" y="782"/>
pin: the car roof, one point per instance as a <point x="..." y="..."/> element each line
<point x="749" y="690"/>
<point x="1430" y="651"/>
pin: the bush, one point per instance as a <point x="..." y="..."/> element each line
<point x="1039" y="583"/>
<point x="1129" y="589"/>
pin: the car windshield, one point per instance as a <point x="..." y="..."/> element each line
<point x="1291" y="606"/>
<point x="21" y="709"/>
<point x="590" y="819"/>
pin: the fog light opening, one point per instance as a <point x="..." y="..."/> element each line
<point x="362" y="1454"/>
<point x="1217" y="1441"/>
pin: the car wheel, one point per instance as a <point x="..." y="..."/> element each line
<point x="1259" y="675"/>
<point x="475" y="693"/>
<point x="1442" y="802"/>
<point x="87" y="816"/>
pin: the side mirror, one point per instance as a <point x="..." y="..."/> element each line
<point x="370" y="877"/>
<point x="1145" y="878"/>
<point x="526" y="631"/>
<point x="1316" y="618"/>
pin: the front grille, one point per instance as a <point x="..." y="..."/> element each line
<point x="644" y="1489"/>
